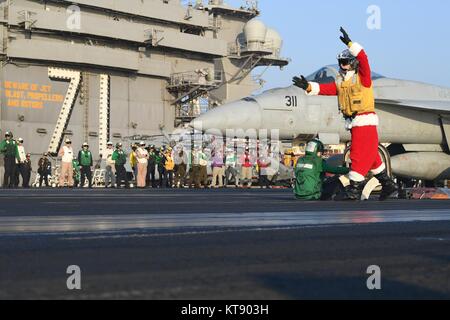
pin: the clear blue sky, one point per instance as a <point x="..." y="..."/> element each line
<point x="413" y="42"/>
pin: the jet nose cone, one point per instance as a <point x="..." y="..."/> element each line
<point x="236" y="115"/>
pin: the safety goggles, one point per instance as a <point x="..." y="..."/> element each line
<point x="344" y="62"/>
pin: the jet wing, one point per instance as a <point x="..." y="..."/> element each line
<point x="430" y="105"/>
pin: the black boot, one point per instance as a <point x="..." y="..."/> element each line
<point x="352" y="192"/>
<point x="388" y="184"/>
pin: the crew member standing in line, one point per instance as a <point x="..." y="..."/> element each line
<point x="264" y="163"/>
<point x="133" y="160"/>
<point x="231" y="172"/>
<point x="66" y="171"/>
<point x="9" y="148"/>
<point x="169" y="167"/>
<point x="142" y="163"/>
<point x="247" y="169"/>
<point x="20" y="162"/>
<point x="85" y="160"/>
<point x="44" y="169"/>
<point x="151" y="168"/>
<point x="76" y="173"/>
<point x="194" y="172"/>
<point x="120" y="159"/>
<point x="218" y="171"/>
<point x="26" y="171"/>
<point x="180" y="159"/>
<point x="203" y="174"/>
<point x="353" y="86"/>
<point x="110" y="176"/>
<point x="160" y="161"/>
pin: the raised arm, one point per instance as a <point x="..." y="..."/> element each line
<point x="357" y="51"/>
<point x="364" y="71"/>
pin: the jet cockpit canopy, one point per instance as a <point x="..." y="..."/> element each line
<point x="329" y="73"/>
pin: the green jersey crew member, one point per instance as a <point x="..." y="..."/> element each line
<point x="120" y="159"/>
<point x="9" y="148"/>
<point x="85" y="160"/>
<point x="310" y="175"/>
<point x="76" y="173"/>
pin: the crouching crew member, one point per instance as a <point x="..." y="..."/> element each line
<point x="310" y="175"/>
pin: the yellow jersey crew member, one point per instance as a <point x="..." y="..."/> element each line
<point x="169" y="167"/>
<point x="133" y="160"/>
<point x="353" y="86"/>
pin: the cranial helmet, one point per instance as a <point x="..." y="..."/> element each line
<point x="347" y="58"/>
<point x="315" y="146"/>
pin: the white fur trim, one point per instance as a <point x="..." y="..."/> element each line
<point x="349" y="75"/>
<point x="355" y="176"/>
<point x="355" y="49"/>
<point x="379" y="170"/>
<point x="365" y="120"/>
<point x="315" y="89"/>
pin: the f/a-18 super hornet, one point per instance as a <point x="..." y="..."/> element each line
<point x="414" y="121"/>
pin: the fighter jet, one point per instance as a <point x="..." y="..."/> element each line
<point x="414" y="121"/>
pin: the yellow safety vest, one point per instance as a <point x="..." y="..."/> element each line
<point x="170" y="164"/>
<point x="354" y="98"/>
<point x="133" y="159"/>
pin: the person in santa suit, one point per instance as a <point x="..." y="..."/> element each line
<point x="353" y="86"/>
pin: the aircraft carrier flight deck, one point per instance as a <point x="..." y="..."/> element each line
<point x="226" y="244"/>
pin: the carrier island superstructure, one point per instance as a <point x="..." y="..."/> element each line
<point x="99" y="70"/>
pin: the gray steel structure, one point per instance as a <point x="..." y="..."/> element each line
<point x="102" y="70"/>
